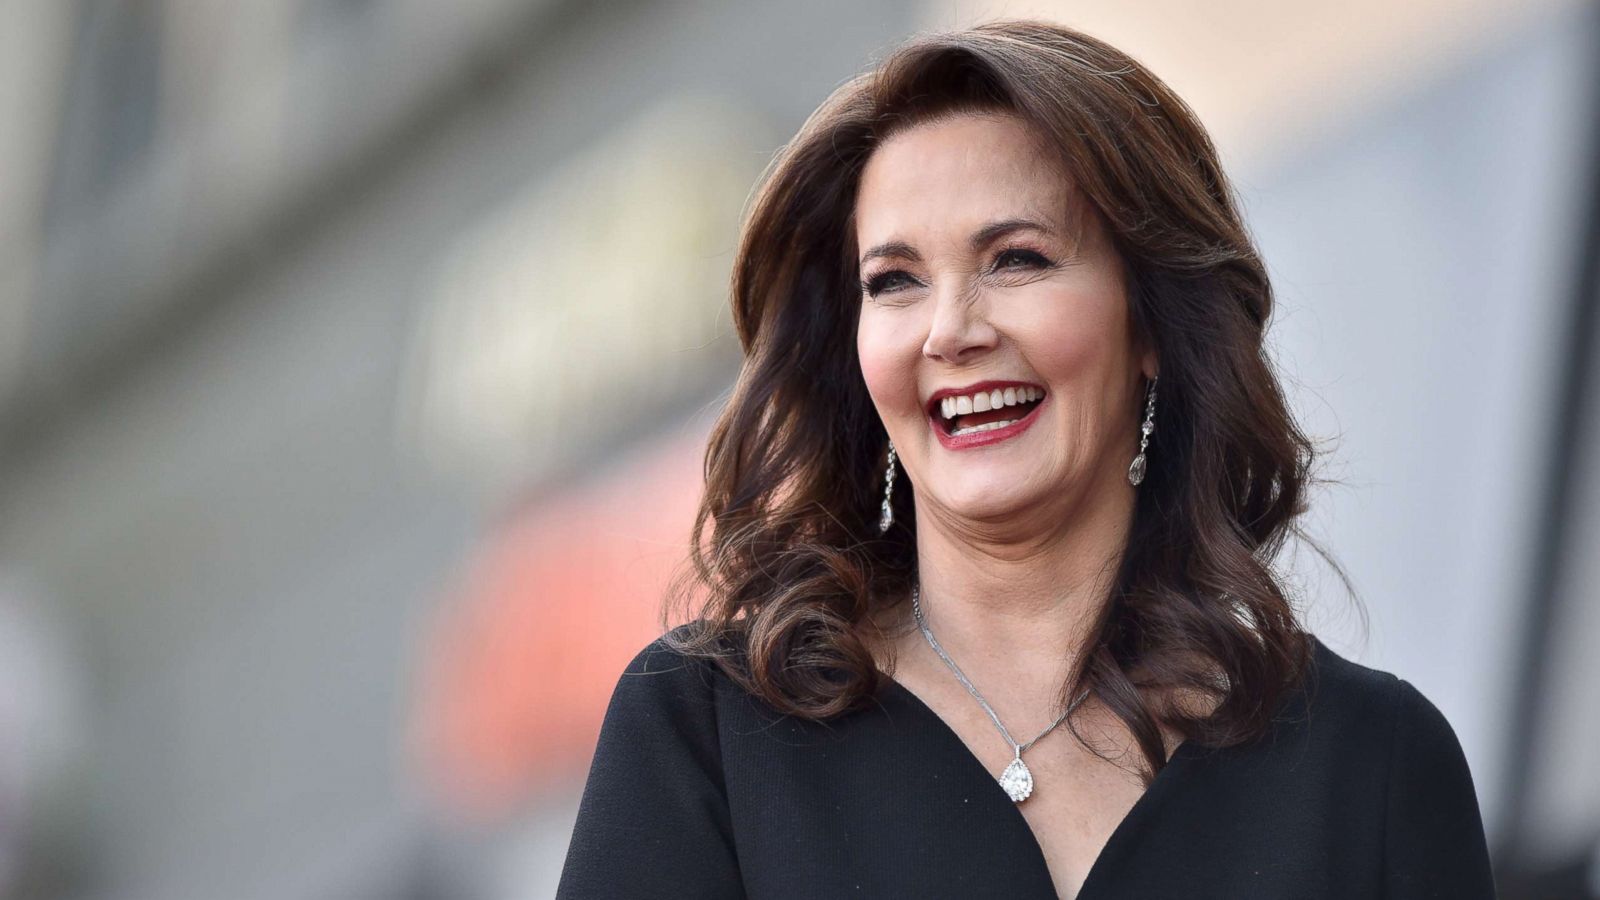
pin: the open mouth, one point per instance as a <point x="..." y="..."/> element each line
<point x="985" y="410"/>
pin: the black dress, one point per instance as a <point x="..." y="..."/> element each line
<point x="698" y="790"/>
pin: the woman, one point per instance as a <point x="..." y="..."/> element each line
<point x="986" y="613"/>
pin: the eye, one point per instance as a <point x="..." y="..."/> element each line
<point x="1019" y="258"/>
<point x="884" y="281"/>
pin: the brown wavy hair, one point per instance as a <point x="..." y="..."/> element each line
<point x="793" y="566"/>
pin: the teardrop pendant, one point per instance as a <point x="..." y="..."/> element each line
<point x="1017" y="780"/>
<point x="1136" y="470"/>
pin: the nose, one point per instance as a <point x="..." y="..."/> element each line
<point x="960" y="330"/>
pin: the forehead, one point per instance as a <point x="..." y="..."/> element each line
<point x="952" y="175"/>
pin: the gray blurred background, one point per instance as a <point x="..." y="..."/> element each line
<point x="355" y="357"/>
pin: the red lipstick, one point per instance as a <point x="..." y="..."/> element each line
<point x="980" y="438"/>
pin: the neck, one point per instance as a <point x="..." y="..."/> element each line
<point x="1017" y="607"/>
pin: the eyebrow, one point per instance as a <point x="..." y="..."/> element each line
<point x="980" y="239"/>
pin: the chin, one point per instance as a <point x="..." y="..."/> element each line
<point x="982" y="501"/>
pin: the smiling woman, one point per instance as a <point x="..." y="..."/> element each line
<point x="988" y="270"/>
<point x="976" y="262"/>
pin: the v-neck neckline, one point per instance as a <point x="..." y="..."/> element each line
<point x="1122" y="834"/>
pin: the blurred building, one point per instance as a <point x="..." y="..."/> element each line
<point x="355" y="358"/>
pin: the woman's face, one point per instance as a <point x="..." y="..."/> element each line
<point x="983" y="271"/>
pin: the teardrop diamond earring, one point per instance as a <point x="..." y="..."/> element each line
<point x="887" y="518"/>
<point x="1136" y="470"/>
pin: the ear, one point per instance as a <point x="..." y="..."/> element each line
<point x="1149" y="365"/>
<point x="1142" y="348"/>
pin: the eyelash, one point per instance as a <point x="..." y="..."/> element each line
<point x="878" y="283"/>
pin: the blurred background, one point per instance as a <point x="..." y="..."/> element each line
<point x="356" y="358"/>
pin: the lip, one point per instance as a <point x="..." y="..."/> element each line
<point x="981" y="438"/>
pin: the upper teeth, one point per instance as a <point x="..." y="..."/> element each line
<point x="950" y="407"/>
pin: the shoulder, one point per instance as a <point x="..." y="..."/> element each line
<point x="1341" y="686"/>
<point x="662" y="717"/>
<point x="664" y="661"/>
<point x="655" y="809"/>
<point x="1433" y="843"/>
<point x="1348" y="679"/>
<point x="1385" y="716"/>
<point x="665" y="686"/>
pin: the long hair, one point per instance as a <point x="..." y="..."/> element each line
<point x="793" y="563"/>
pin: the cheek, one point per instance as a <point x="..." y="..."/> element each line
<point x="1070" y="341"/>
<point x="888" y="364"/>
<point x="1077" y="342"/>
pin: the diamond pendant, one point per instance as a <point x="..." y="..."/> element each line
<point x="1017" y="780"/>
<point x="1136" y="470"/>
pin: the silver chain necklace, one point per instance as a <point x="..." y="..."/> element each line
<point x="1017" y="780"/>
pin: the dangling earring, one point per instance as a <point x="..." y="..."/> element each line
<point x="1136" y="470"/>
<point x="887" y="519"/>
